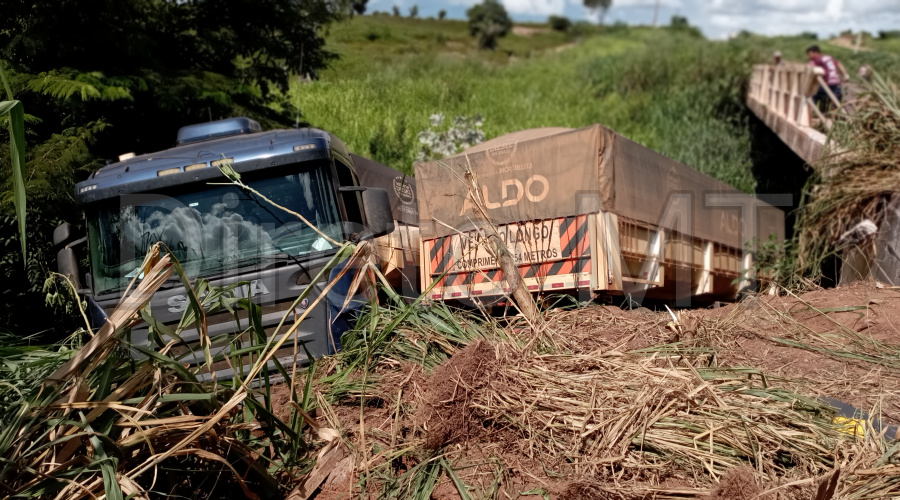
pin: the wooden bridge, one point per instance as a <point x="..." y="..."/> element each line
<point x="781" y="96"/>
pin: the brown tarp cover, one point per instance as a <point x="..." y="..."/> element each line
<point x="550" y="173"/>
<point x="401" y="188"/>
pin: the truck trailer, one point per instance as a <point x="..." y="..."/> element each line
<point x="228" y="235"/>
<point x="589" y="212"/>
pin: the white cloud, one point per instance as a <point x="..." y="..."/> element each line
<point x="535" y="7"/>
<point x="773" y="17"/>
<point x="716" y="18"/>
<point x="647" y="3"/>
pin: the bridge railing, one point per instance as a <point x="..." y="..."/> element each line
<point x="785" y="89"/>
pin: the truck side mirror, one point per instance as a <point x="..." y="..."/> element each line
<point x="67" y="264"/>
<point x="378" y="211"/>
<point x="63" y="235"/>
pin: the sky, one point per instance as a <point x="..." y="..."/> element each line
<point x="716" y="18"/>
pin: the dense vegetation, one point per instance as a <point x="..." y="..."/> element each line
<point x="99" y="82"/>
<point x="669" y="89"/>
<point x="126" y="79"/>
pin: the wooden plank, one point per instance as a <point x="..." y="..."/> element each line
<point x="599" y="269"/>
<point x="886" y="267"/>
<point x="705" y="283"/>
<point x="747" y="272"/>
<point x="613" y="251"/>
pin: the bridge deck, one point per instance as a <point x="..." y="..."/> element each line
<point x="780" y="95"/>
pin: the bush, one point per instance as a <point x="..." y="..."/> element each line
<point x="585" y="28"/>
<point x="679" y="22"/>
<point x="885" y="35"/>
<point x="488" y="21"/>
<point x="389" y="145"/>
<point x="436" y="142"/>
<point x="559" y="23"/>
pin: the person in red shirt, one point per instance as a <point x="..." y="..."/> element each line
<point x="831" y="71"/>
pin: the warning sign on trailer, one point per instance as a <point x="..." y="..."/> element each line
<point x="529" y="242"/>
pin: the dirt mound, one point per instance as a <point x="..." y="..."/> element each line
<point x="448" y="391"/>
<point x="561" y="421"/>
<point x="737" y="484"/>
<point x="591" y="490"/>
<point x="837" y="342"/>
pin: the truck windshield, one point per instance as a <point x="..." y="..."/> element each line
<point x="215" y="229"/>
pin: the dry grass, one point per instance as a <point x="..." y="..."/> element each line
<point x="626" y="405"/>
<point x="97" y="421"/>
<point x="857" y="179"/>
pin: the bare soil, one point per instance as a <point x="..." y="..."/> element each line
<point x="446" y="413"/>
<point x="844" y="319"/>
<point x="434" y="409"/>
<point x="528" y="30"/>
<point x="737" y="484"/>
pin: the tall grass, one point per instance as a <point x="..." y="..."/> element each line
<point x="389" y="105"/>
<point x="686" y="98"/>
<point x="672" y="91"/>
<point x="685" y="101"/>
<point x="857" y="179"/>
<point x="84" y="420"/>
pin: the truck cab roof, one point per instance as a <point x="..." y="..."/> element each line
<point x="235" y="140"/>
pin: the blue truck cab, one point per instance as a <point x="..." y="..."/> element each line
<point x="226" y="234"/>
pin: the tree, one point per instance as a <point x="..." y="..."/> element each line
<point x="413" y="11"/>
<point x="396" y="11"/>
<point x="360" y="6"/>
<point x="679" y="22"/>
<point x="488" y="21"/>
<point x="130" y="72"/>
<point x="150" y="66"/>
<point x="598" y="7"/>
<point x="442" y="14"/>
<point x="559" y="23"/>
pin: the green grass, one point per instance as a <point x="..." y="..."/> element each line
<point x="382" y="92"/>
<point x="676" y="93"/>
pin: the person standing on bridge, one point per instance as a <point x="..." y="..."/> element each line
<point x="831" y="70"/>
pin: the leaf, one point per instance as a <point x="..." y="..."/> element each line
<point x="108" y="467"/>
<point x="461" y="487"/>
<point x="536" y="491"/>
<point x="16" y="113"/>
<point x="842" y="309"/>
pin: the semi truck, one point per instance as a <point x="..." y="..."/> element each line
<point x="230" y="235"/>
<point x="585" y="212"/>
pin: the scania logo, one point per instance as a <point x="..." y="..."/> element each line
<point x="178" y="303"/>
